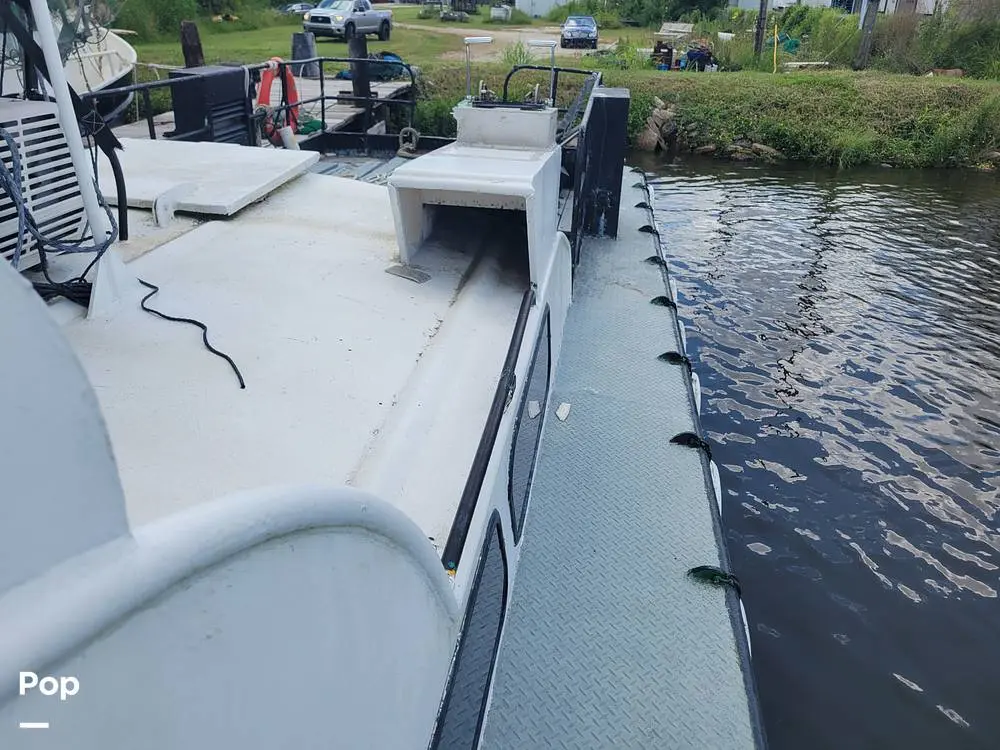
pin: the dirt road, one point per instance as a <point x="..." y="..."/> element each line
<point x="501" y="38"/>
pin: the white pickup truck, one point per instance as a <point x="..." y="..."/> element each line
<point x="345" y="18"/>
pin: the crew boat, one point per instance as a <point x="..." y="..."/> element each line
<point x="429" y="476"/>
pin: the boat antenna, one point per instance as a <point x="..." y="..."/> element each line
<point x="469" y="41"/>
<point x="550" y="43"/>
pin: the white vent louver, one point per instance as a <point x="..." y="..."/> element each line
<point x="47" y="179"/>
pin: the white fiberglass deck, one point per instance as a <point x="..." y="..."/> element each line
<point x="217" y="179"/>
<point x="337" y="355"/>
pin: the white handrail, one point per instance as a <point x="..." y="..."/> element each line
<point x="469" y="41"/>
<point x="45" y="619"/>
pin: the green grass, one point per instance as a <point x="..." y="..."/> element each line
<point x="838" y="118"/>
<point x="827" y="117"/>
<point x="409" y="14"/>
<point x="258" y="45"/>
<point x="416" y="46"/>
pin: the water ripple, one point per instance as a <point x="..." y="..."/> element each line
<point x="847" y="337"/>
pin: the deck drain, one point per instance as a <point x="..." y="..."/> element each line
<point x="411" y="274"/>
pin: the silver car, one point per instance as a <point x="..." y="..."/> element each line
<point x="579" y="31"/>
<point x="346" y="18"/>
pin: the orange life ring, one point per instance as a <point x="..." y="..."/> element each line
<point x="264" y="95"/>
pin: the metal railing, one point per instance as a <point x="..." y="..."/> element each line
<point x="370" y="102"/>
<point x="572" y="134"/>
<point x="573" y="111"/>
<point x="583" y="182"/>
<point x="144" y="91"/>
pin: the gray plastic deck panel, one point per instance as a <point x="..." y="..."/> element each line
<point x="608" y="644"/>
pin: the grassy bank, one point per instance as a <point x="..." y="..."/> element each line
<point x="838" y="118"/>
<point x="258" y="45"/>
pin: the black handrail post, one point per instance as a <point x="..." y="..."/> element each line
<point x="368" y="126"/>
<point x="357" y="49"/>
<point x="120" y="190"/>
<point x="147" y="101"/>
<point x="322" y="93"/>
<point x="284" y="89"/>
<point x="367" y="120"/>
<point x="413" y="95"/>
<point x="253" y="128"/>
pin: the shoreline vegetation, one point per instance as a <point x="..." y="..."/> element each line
<point x="839" y="118"/>
<point x="890" y="115"/>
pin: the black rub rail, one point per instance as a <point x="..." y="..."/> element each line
<point x="477" y="474"/>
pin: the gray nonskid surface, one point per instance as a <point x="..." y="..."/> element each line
<point x="608" y="644"/>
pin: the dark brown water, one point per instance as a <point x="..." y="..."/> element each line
<point x="846" y="329"/>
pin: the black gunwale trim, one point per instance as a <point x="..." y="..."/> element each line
<point x="495" y="526"/>
<point x="517" y="522"/>
<point x="452" y="555"/>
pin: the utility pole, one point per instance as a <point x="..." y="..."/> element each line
<point x="758" y="37"/>
<point x="870" y="15"/>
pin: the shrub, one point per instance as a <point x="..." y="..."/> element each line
<point x="607" y="19"/>
<point x="840" y="118"/>
<point x="153" y="19"/>
<point x="517" y="53"/>
<point x="150" y="18"/>
<point x="517" y="18"/>
<point x="624" y="56"/>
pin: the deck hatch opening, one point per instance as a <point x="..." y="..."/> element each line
<point x="494" y="236"/>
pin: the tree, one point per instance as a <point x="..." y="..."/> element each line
<point x="652" y="12"/>
<point x="758" y="36"/>
<point x="867" y="34"/>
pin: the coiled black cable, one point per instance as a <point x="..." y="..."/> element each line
<point x="77" y="289"/>
<point x="191" y="321"/>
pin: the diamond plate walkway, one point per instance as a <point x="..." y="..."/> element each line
<point x="608" y="644"/>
